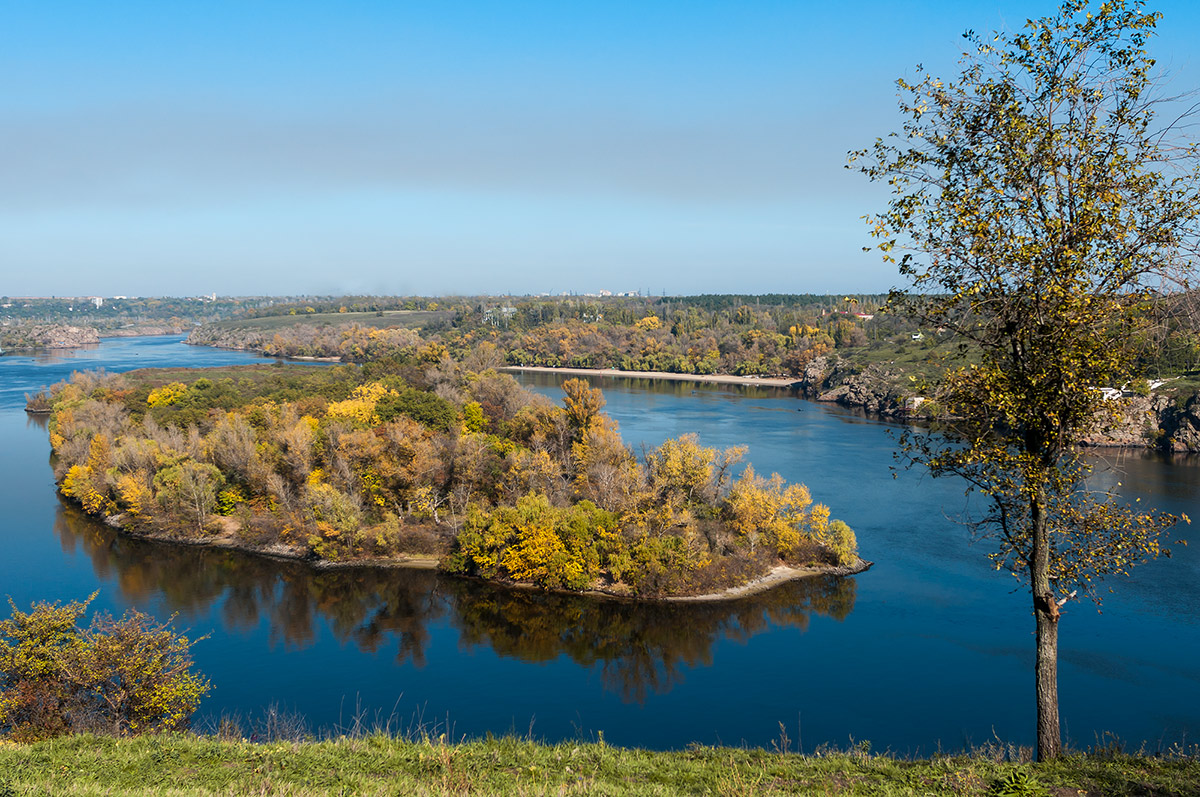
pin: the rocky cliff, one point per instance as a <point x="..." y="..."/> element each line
<point x="1156" y="421"/>
<point x="1174" y="424"/>
<point x="47" y="336"/>
<point x="874" y="388"/>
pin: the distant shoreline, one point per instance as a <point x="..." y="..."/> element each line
<point x="717" y="379"/>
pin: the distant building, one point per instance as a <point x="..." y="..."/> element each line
<point x="98" y="301"/>
<point x="499" y="315"/>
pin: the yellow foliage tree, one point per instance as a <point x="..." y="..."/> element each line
<point x="133" y="492"/>
<point x="766" y="511"/>
<point x="582" y="402"/>
<point x="360" y="406"/>
<point x="681" y="471"/>
<point x="167" y="394"/>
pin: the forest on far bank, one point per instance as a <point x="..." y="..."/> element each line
<point x="743" y="335"/>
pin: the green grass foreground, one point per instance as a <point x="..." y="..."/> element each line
<point x="378" y="765"/>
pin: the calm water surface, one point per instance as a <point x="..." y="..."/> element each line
<point x="928" y="648"/>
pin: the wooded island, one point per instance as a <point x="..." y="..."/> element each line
<point x="423" y="460"/>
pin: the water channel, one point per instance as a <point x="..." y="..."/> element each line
<point x="929" y="648"/>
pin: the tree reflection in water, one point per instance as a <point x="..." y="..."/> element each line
<point x="641" y="648"/>
<point x="368" y="606"/>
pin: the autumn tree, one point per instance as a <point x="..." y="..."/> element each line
<point x="122" y="676"/>
<point x="189" y="489"/>
<point x="582" y="402"/>
<point x="1042" y="207"/>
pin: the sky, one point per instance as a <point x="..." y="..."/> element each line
<point x="441" y="148"/>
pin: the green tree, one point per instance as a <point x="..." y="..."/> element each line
<point x="189" y="489"/>
<point x="1043" y="208"/>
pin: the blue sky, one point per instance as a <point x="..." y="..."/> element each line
<point x="445" y="147"/>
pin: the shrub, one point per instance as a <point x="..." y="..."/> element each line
<point x="128" y="676"/>
<point x="422" y="407"/>
<point x="229" y="499"/>
<point x="40" y="401"/>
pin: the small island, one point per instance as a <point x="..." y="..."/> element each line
<point x="423" y="461"/>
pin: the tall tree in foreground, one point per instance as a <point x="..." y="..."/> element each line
<point x="1043" y="208"/>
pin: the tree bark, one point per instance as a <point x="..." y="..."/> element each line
<point x="1045" y="611"/>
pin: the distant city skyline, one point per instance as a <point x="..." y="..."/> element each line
<point x="183" y="149"/>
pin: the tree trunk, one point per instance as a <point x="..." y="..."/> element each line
<point x="1049" y="738"/>
<point x="1045" y="611"/>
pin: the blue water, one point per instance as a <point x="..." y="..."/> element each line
<point x="929" y="648"/>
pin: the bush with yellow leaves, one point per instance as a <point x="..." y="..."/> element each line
<point x="122" y="676"/>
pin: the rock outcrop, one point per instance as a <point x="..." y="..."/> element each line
<point x="874" y="388"/>
<point x="47" y="336"/>
<point x="1154" y="421"/>
<point x="1138" y="427"/>
<point x="1179" y="424"/>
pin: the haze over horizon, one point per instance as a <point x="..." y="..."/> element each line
<point x="182" y="149"/>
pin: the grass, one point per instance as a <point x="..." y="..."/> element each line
<point x="378" y="765"/>
<point x="412" y="319"/>
<point x="926" y="359"/>
<point x="258" y="374"/>
<point x="1182" y="387"/>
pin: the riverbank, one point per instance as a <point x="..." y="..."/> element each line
<point x="31" y="338"/>
<point x="227" y="538"/>
<point x="717" y="379"/>
<point x="429" y="764"/>
<point x="1158" y="421"/>
<point x="781" y="574"/>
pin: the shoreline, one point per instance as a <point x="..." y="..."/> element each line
<point x="224" y="542"/>
<point x="776" y="576"/>
<point x="865" y="398"/>
<point x="716" y="379"/>
<point x="780" y="574"/>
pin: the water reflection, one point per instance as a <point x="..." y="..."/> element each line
<point x="640" y="649"/>
<point x="361" y="605"/>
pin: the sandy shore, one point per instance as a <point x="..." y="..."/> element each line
<point x="778" y="575"/>
<point x="719" y="379"/>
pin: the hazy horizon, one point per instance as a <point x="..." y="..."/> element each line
<point x="462" y="149"/>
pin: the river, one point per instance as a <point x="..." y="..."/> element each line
<point x="930" y="648"/>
